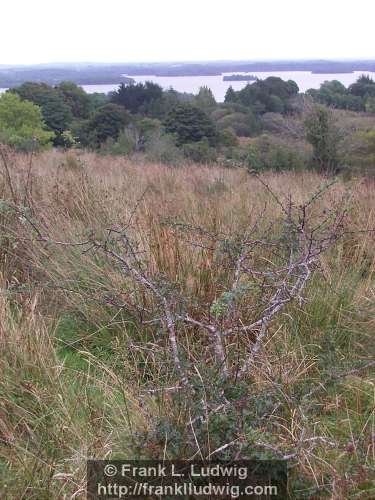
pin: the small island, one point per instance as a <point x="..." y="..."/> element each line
<point x="239" y="78"/>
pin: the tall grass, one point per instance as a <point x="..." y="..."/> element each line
<point x="82" y="377"/>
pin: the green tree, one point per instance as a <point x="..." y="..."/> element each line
<point x="21" y="123"/>
<point x="270" y="95"/>
<point x="97" y="100"/>
<point x="136" y="98"/>
<point x="76" y="98"/>
<point x="56" y="113"/>
<point x="363" y="87"/>
<point x="335" y="94"/>
<point x="159" y="108"/>
<point x="243" y="124"/>
<point x="275" y="104"/>
<point x="324" y="136"/>
<point x="230" y="95"/>
<point x="293" y="88"/>
<point x="190" y="124"/>
<point x="134" y="137"/>
<point x="205" y="99"/>
<point x="107" y="122"/>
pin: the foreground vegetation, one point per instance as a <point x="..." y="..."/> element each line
<point x="88" y="369"/>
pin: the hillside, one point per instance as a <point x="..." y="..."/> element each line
<point x="99" y="252"/>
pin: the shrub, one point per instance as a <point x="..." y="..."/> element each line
<point x="324" y="136"/>
<point x="370" y="105"/>
<point x="123" y="146"/>
<point x="65" y="140"/>
<point x="228" y="138"/>
<point x="161" y="147"/>
<point x="200" y="152"/>
<point x="267" y="155"/>
<point x="363" y="149"/>
<point x="133" y="138"/>
<point x="243" y="124"/>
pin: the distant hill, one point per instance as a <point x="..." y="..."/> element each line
<point x="101" y="73"/>
<point x="89" y="75"/>
<point x="217" y="68"/>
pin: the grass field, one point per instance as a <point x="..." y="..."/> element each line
<point x="88" y="372"/>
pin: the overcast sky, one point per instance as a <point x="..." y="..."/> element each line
<point x="41" y="31"/>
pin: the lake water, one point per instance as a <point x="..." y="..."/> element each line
<point x="304" y="79"/>
<point x="191" y="84"/>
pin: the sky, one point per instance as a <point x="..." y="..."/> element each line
<point x="45" y="31"/>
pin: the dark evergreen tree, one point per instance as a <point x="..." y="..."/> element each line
<point x="190" y="124"/>
<point x="107" y="122"/>
<point x="136" y="98"/>
<point x="230" y="95"/>
<point x="205" y="99"/>
<point x="363" y="87"/>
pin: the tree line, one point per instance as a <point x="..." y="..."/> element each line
<point x="168" y="125"/>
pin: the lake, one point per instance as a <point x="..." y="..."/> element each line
<point x="191" y="84"/>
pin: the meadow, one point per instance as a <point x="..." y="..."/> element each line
<point x="87" y="359"/>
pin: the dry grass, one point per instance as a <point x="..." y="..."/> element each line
<point x="77" y="373"/>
